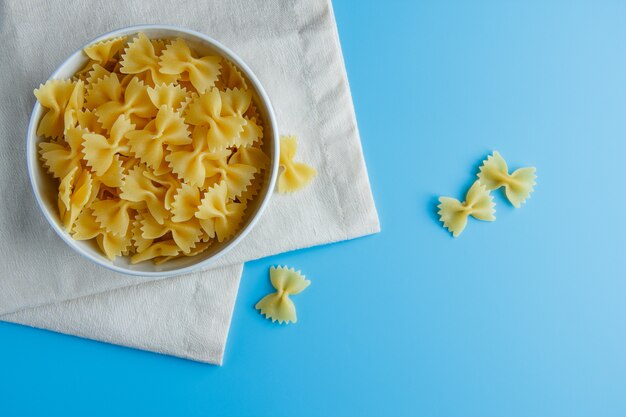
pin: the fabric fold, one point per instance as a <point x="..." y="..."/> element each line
<point x="187" y="316"/>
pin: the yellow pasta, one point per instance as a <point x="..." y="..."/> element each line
<point x="88" y="120"/>
<point x="168" y="128"/>
<point x="138" y="188"/>
<point x="62" y="156"/>
<point x="185" y="234"/>
<point x="169" y="95"/>
<point x="188" y="161"/>
<point x="74" y="194"/>
<point x="237" y="177"/>
<point x="141" y="57"/>
<point x="177" y="59"/>
<point x="230" y="77"/>
<point x="103" y="154"/>
<point x="295" y="175"/>
<point x="200" y="247"/>
<point x="494" y="174"/>
<point x="134" y="101"/>
<point x="253" y="189"/>
<point x="156" y="152"/>
<point x="277" y="306"/>
<point x="166" y="248"/>
<point x="56" y="96"/>
<point x="167" y="180"/>
<point x="223" y="129"/>
<point x="219" y="217"/>
<point x="103" y="52"/>
<point x="86" y="227"/>
<point x="478" y="204"/>
<point x="186" y="203"/>
<point x="93" y="74"/>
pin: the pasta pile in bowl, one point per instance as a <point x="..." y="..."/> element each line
<point x="153" y="150"/>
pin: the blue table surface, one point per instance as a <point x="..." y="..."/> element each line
<point x="522" y="317"/>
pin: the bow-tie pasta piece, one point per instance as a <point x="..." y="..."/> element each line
<point x="225" y="127"/>
<point x="140" y="57"/>
<point x="250" y="155"/>
<point x="236" y="102"/>
<point x="278" y="306"/>
<point x="97" y="72"/>
<point x="139" y="188"/>
<point x="87" y="227"/>
<point x="237" y="177"/>
<point x="157" y="151"/>
<point x="61" y="157"/>
<point x="478" y="204"/>
<point x="230" y="77"/>
<point x="169" y="95"/>
<point x="102" y="153"/>
<point x="74" y="106"/>
<point x="115" y="215"/>
<point x="200" y="247"/>
<point x="133" y="101"/>
<point x="62" y="99"/>
<point x="177" y="59"/>
<point x="104" y="52"/>
<point x="140" y="243"/>
<point x="104" y="89"/>
<point x="113" y="176"/>
<point x="165" y="248"/>
<point x="167" y="180"/>
<point x="494" y="173"/>
<point x="186" y="203"/>
<point x="295" y="175"/>
<point x="185" y="234"/>
<point x="188" y="161"/>
<point x="88" y="120"/>
<point x="253" y="189"/>
<point x="252" y="132"/>
<point x="83" y="73"/>
<point x="218" y="215"/>
<point x="168" y="128"/>
<point x="74" y="194"/>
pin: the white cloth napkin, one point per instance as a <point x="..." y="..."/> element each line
<point x="293" y="47"/>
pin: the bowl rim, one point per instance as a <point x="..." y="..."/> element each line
<point x="104" y="262"/>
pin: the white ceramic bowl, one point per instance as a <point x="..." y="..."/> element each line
<point x="45" y="187"/>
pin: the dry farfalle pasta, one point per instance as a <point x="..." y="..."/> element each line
<point x="157" y="150"/>
<point x="295" y="175"/>
<point x="478" y="204"/>
<point x="494" y="174"/>
<point x="277" y="306"/>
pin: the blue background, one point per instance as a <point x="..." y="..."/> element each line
<point x="522" y="317"/>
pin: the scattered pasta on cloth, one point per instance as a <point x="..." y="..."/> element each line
<point x="493" y="174"/>
<point x="278" y="306"/>
<point x="295" y="175"/>
<point x="158" y="151"/>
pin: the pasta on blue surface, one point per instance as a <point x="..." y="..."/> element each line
<point x="478" y="204"/>
<point x="494" y="173"/>
<point x="278" y="306"/>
